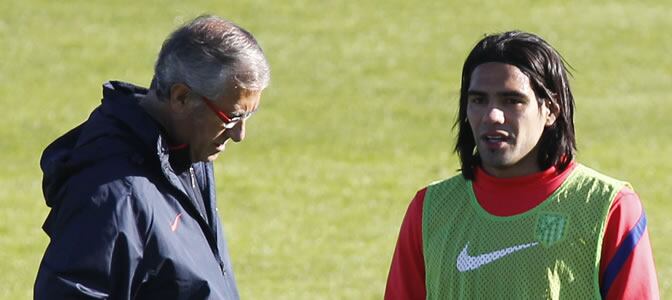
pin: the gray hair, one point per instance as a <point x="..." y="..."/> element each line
<point x="208" y="54"/>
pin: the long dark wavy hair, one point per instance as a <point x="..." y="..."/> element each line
<point x="548" y="76"/>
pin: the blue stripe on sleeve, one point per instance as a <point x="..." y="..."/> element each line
<point x="622" y="254"/>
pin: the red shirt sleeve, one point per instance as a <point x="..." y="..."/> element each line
<point x="406" y="279"/>
<point x="627" y="270"/>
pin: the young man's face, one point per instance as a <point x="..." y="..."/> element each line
<point x="506" y="119"/>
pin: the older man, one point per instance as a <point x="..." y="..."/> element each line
<point x="132" y="189"/>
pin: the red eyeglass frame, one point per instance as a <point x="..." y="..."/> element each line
<point x="228" y="121"/>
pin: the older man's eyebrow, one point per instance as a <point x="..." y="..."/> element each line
<point x="244" y="114"/>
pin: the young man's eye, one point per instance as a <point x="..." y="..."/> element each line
<point x="514" y="101"/>
<point x="476" y="100"/>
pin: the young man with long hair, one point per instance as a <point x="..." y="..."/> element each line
<point x="523" y="219"/>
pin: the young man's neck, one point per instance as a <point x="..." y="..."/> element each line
<point x="508" y="172"/>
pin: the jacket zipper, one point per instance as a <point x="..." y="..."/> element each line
<point x="193" y="177"/>
<point x="217" y="256"/>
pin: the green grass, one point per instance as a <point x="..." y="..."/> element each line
<point x="358" y="117"/>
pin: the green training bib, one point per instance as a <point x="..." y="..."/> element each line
<point x="549" y="252"/>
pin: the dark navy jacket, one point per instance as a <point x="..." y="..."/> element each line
<point x="122" y="225"/>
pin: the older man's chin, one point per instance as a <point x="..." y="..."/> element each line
<point x="213" y="156"/>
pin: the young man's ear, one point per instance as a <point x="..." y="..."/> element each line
<point x="553" y="111"/>
<point x="179" y="93"/>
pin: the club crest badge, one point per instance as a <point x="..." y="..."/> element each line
<point x="551" y="228"/>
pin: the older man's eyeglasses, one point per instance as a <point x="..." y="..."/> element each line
<point x="229" y="122"/>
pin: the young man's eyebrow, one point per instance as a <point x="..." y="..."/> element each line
<point x="476" y="93"/>
<point x="512" y="94"/>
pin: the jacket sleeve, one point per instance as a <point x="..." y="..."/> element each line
<point x="94" y="250"/>
<point x="406" y="279"/>
<point x="627" y="270"/>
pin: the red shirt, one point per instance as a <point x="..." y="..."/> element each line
<point x="627" y="270"/>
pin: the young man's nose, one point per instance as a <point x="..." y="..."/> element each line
<point x="494" y="115"/>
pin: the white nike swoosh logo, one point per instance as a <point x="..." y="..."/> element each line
<point x="466" y="262"/>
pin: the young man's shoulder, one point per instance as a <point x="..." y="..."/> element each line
<point x="455" y="179"/>
<point x="589" y="173"/>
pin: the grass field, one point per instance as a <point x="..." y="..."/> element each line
<point x="357" y="118"/>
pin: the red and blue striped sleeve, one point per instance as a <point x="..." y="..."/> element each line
<point x="627" y="270"/>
